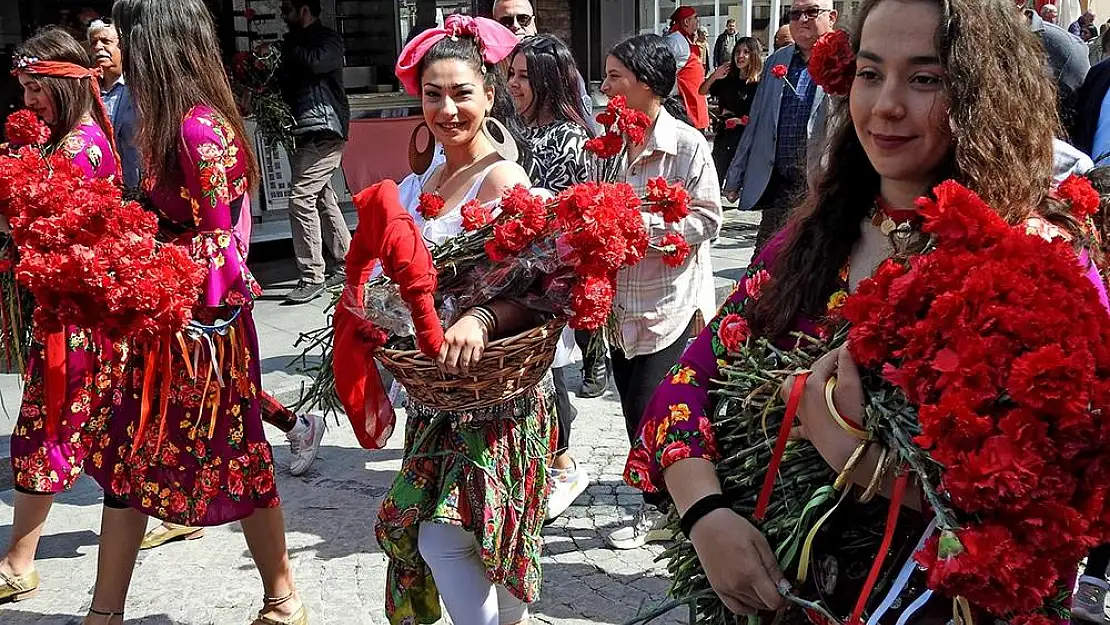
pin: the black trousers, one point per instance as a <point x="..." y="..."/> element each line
<point x="565" y="411"/>
<point x="1097" y="561"/>
<point x="636" y="379"/>
<point x="784" y="193"/>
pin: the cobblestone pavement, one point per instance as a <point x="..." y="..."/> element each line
<point x="330" y="512"/>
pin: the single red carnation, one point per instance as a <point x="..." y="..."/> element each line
<point x="779" y="71"/>
<point x="675" y="250"/>
<point x="591" y="302"/>
<point x="832" y="63"/>
<point x="606" y="119"/>
<point x="430" y="205"/>
<point x="608" y="145"/>
<point x="24" y="127"/>
<point x="1077" y="191"/>
<point x="475" y="215"/>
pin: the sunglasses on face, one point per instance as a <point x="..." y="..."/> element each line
<point x="522" y="18"/>
<point x="811" y="13"/>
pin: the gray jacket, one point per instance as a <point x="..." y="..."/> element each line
<point x="754" y="161"/>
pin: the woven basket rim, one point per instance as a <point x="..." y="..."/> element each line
<point x="397" y="354"/>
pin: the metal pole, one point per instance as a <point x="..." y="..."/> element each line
<point x="747" y="17"/>
<point x="773" y="25"/>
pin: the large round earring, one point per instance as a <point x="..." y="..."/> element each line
<point x="501" y="139"/>
<point x="421" y="160"/>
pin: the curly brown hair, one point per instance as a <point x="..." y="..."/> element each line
<point x="1003" y="121"/>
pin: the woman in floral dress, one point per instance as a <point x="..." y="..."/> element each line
<point x="185" y="441"/>
<point x="928" y="102"/>
<point x="51" y="437"/>
<point x="464" y="517"/>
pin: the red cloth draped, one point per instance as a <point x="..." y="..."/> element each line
<point x="386" y="232"/>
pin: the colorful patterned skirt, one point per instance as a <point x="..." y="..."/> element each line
<point x="485" y="471"/>
<point x="48" y="453"/>
<point x="185" y="442"/>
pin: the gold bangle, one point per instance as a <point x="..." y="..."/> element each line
<point x="850" y="466"/>
<point x="886" y="460"/>
<point x="830" y="386"/>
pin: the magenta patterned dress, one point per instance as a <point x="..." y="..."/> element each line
<point x="46" y="459"/>
<point x="185" y="441"/>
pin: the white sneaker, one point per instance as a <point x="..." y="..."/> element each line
<point x="304" y="442"/>
<point x="1089" y="602"/>
<point x="649" y="526"/>
<point x="566" y="486"/>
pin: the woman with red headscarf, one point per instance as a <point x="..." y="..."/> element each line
<point x="691" y="71"/>
<point x="69" y="373"/>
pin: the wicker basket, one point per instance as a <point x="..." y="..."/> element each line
<point x="509" y="367"/>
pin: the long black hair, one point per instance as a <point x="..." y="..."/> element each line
<point x="465" y="48"/>
<point x="553" y="76"/>
<point x="652" y="63"/>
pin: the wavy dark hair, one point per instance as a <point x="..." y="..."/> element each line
<point x="755" y="59"/>
<point x="73" y="97"/>
<point x="652" y="63"/>
<point x="465" y="48"/>
<point x="553" y="77"/>
<point x="171" y="58"/>
<point x="995" y="74"/>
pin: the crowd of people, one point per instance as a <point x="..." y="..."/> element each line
<point x="994" y="96"/>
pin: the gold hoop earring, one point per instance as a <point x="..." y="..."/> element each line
<point x="421" y="160"/>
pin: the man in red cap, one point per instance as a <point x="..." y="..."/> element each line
<point x="691" y="72"/>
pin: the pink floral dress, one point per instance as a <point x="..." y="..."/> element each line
<point x="48" y="457"/>
<point x="185" y="441"/>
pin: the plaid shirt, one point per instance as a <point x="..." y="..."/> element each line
<point x="794" y="114"/>
<point x="654" y="302"/>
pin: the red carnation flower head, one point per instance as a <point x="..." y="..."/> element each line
<point x="959" y="216"/>
<point x="675" y="249"/>
<point x="607" y="118"/>
<point x="634" y="124"/>
<point x="732" y="332"/>
<point x="592" y="301"/>
<point x="779" y="71"/>
<point x="430" y="205"/>
<point x="1080" y="194"/>
<point x="832" y="63"/>
<point x="608" y="145"/>
<point x="475" y="215"/>
<point x="24" y="127"/>
<point x="670" y="201"/>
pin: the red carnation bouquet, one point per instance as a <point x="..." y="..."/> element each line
<point x="1002" y="347"/>
<point x="986" y="357"/>
<point x="87" y="257"/>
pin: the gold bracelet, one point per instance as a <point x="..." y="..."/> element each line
<point x="844" y="424"/>
<point x="850" y="466"/>
<point x="886" y="460"/>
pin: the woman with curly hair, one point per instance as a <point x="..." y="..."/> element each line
<point x="941" y="90"/>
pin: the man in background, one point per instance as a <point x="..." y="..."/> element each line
<point x="1049" y="13"/>
<point x="768" y="172"/>
<point x="1081" y="27"/>
<point x="312" y="85"/>
<point x="726" y="41"/>
<point x="783" y="37"/>
<point x="104" y="43"/>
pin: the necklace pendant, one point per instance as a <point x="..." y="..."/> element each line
<point x="887" y="226"/>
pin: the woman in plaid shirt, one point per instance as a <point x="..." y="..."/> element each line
<point x="658" y="307"/>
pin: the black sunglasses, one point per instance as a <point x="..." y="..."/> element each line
<point x="521" y="18"/>
<point x="811" y="13"/>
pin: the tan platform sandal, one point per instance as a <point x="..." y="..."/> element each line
<point x="18" y="587"/>
<point x="300" y="617"/>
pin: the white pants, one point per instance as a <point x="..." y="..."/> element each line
<point x="471" y="599"/>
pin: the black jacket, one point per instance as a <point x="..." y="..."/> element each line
<point x="1088" y="106"/>
<point x="312" y="81"/>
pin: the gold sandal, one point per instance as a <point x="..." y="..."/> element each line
<point x="300" y="617"/>
<point x="18" y="587"/>
<point x="169" y="532"/>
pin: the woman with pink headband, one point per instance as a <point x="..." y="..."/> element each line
<point x="464" y="517"/>
<point x="67" y="383"/>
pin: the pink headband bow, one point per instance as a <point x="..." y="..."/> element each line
<point x="494" y="40"/>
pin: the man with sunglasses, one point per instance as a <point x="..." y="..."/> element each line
<point x="516" y="15"/>
<point x="768" y="172"/>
